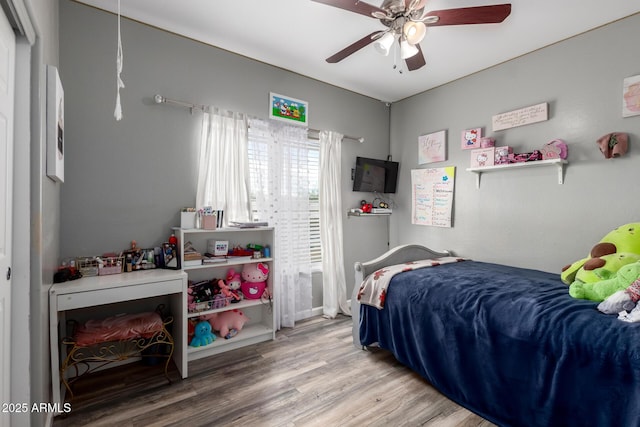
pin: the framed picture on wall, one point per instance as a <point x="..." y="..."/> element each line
<point x="287" y="109"/>
<point x="631" y="96"/>
<point x="432" y="147"/>
<point x="55" y="125"/>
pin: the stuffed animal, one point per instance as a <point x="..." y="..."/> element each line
<point x="227" y="323"/>
<point x="202" y="335"/>
<point x="255" y="279"/>
<point x="556" y="149"/>
<point x="227" y="292"/>
<point x="625" y="238"/>
<point x="600" y="290"/>
<point x="233" y="279"/>
<point x="602" y="268"/>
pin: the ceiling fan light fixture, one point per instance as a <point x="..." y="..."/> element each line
<point x="407" y="50"/>
<point x="383" y="45"/>
<point x="414" y="31"/>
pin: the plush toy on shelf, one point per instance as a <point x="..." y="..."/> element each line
<point x="227" y="323"/>
<point x="202" y="335"/>
<point x="255" y="279"/>
<point x="227" y="292"/>
<point x="234" y="281"/>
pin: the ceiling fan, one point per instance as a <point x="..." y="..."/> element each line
<point x="407" y="22"/>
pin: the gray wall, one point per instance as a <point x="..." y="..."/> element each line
<point x="523" y="217"/>
<point x="127" y="180"/>
<point x="44" y="211"/>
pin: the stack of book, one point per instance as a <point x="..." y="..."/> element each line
<point x="213" y="259"/>
<point x="191" y="256"/>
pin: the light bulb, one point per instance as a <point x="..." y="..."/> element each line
<point x="414" y="31"/>
<point x="383" y="45"/>
<point x="407" y="50"/>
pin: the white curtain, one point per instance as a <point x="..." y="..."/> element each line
<point x="281" y="187"/>
<point x="223" y="172"/>
<point x="334" y="283"/>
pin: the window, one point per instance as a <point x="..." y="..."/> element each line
<point x="301" y="160"/>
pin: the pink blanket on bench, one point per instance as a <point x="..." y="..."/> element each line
<point x="116" y="328"/>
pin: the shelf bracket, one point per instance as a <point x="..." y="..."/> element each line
<point x="478" y="175"/>
<point x="561" y="173"/>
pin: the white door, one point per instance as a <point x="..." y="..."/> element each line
<point x="7" y="68"/>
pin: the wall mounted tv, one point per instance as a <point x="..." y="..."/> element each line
<point x="375" y="176"/>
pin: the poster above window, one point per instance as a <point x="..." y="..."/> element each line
<point x="287" y="109"/>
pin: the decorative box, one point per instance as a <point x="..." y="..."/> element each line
<point x="209" y="222"/>
<point x="187" y="220"/>
<point x="482" y="157"/>
<point x="502" y="155"/>
<point x="487" y="142"/>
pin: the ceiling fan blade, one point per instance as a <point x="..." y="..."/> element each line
<point x="412" y="5"/>
<point x="416" y="61"/>
<point x="353" y="48"/>
<point x="471" y="15"/>
<point x="354" y="6"/>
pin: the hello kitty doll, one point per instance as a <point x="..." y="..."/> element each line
<point x="254" y="280"/>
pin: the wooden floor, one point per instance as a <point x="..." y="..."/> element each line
<point x="311" y="375"/>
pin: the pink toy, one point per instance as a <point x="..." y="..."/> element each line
<point x="255" y="279"/>
<point x="227" y="323"/>
<point x="227" y="292"/>
<point x="191" y="304"/>
<point x="233" y="279"/>
<point x="556" y="149"/>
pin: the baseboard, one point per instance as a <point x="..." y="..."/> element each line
<point x="317" y="311"/>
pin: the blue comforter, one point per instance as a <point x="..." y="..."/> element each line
<point x="511" y="345"/>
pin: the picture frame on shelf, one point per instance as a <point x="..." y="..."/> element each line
<point x="470" y="138"/>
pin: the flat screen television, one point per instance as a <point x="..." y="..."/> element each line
<point x="375" y="176"/>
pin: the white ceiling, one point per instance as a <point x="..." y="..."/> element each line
<point x="298" y="35"/>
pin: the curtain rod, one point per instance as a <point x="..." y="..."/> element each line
<point x="159" y="99"/>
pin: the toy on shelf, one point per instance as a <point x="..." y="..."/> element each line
<point x="254" y="282"/>
<point x="227" y="292"/>
<point x="234" y="281"/>
<point x="202" y="335"/>
<point x="227" y="323"/>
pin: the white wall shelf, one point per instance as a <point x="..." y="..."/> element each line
<point x="559" y="164"/>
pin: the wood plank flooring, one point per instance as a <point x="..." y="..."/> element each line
<point x="311" y="375"/>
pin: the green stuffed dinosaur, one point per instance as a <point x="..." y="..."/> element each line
<point x="625" y="238"/>
<point x="600" y="290"/>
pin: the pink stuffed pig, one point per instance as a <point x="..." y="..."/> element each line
<point x="254" y="277"/>
<point x="227" y="323"/>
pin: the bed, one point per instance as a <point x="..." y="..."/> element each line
<point x="507" y="343"/>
